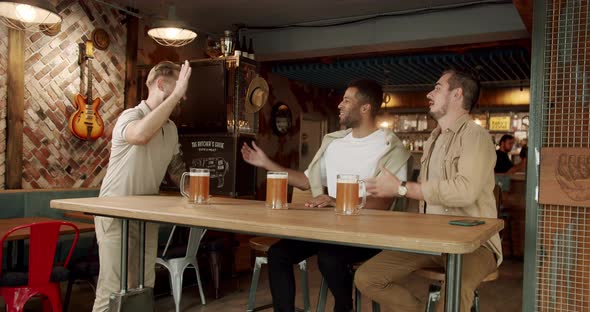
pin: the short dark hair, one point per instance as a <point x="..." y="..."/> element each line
<point x="369" y="91"/>
<point x="506" y="137"/>
<point x="468" y="81"/>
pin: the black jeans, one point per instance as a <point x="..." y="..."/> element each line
<point x="334" y="263"/>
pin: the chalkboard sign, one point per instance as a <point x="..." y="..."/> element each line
<point x="220" y="154"/>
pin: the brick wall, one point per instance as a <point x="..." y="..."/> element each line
<point x="52" y="156"/>
<point x="3" y="63"/>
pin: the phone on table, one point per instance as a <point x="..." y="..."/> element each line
<point x="466" y="222"/>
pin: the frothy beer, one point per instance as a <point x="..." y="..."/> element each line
<point x="199" y="187"/>
<point x="348" y="194"/>
<point x="276" y="190"/>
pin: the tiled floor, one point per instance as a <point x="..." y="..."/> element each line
<point x="504" y="294"/>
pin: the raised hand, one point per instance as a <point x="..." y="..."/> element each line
<point x="385" y="185"/>
<point x="320" y="201"/>
<point x="183" y="78"/>
<point x="573" y="176"/>
<point x="254" y="155"/>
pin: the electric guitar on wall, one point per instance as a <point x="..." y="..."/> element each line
<point x="85" y="123"/>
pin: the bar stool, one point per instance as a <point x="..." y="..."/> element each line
<point x="262" y="244"/>
<point x="438" y="274"/>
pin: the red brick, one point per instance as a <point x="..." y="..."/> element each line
<point x="57" y="121"/>
<point x="35" y="36"/>
<point x="100" y="148"/>
<point x="40" y="157"/>
<point x="32" y="136"/>
<point x="68" y="181"/>
<point x="61" y="107"/>
<point x="105" y="154"/>
<point x="45" y="151"/>
<point x="47" y="176"/>
<point x="27" y="177"/>
<point x="35" y="185"/>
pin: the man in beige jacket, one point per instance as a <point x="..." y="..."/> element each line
<point x="456" y="178"/>
<point x="144" y="147"/>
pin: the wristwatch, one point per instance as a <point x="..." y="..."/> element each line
<point x="402" y="190"/>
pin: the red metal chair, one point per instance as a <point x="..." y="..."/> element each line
<point x="43" y="277"/>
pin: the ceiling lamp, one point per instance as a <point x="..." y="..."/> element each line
<point x="172" y="32"/>
<point x="28" y="14"/>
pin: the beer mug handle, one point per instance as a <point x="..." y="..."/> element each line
<point x="184" y="174"/>
<point x="363" y="191"/>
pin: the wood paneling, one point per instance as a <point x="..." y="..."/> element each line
<point x="525" y="9"/>
<point x="131" y="62"/>
<point x="15" y="103"/>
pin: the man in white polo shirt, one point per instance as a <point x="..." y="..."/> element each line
<point x="361" y="149"/>
<point x="144" y="147"/>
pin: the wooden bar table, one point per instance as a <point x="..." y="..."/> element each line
<point x="408" y="232"/>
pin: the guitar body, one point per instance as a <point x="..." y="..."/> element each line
<point x="85" y="123"/>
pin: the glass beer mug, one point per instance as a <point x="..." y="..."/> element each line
<point x="348" y="190"/>
<point x="198" y="191"/>
<point x="276" y="190"/>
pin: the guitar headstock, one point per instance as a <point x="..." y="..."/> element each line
<point x="85" y="51"/>
<point x="89" y="49"/>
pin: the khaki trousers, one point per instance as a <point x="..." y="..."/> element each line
<point x="108" y="236"/>
<point x="378" y="277"/>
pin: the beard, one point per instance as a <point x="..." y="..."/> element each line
<point x="350" y="121"/>
<point x="441" y="112"/>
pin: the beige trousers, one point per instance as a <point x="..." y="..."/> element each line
<point x="378" y="278"/>
<point x="108" y="236"/>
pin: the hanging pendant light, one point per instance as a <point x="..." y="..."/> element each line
<point x="28" y="14"/>
<point x="172" y="32"/>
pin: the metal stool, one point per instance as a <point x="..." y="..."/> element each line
<point x="438" y="274"/>
<point x="262" y="244"/>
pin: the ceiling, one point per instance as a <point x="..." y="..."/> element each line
<point x="214" y="16"/>
<point x="497" y="67"/>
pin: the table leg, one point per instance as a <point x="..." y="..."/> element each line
<point x="124" y="256"/>
<point x="141" y="254"/>
<point x="453" y="283"/>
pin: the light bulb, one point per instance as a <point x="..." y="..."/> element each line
<point x="385" y="124"/>
<point x="171" y="33"/>
<point x="26" y="12"/>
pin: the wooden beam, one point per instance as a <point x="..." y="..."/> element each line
<point x="131" y="62"/>
<point x="15" y="108"/>
<point x="525" y="9"/>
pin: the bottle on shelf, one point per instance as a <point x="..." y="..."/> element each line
<point x="238" y="48"/>
<point x="251" y="50"/>
<point x="244" y="48"/>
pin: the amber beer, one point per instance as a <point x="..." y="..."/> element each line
<point x="276" y="190"/>
<point x="348" y="188"/>
<point x="198" y="186"/>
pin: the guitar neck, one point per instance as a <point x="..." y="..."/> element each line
<point x="89" y="83"/>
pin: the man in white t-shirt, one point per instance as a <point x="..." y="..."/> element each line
<point x="144" y="147"/>
<point x="361" y="149"/>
